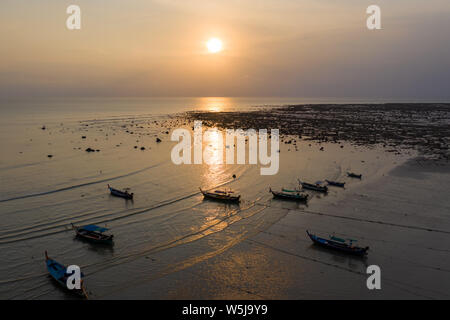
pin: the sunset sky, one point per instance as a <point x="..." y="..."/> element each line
<point x="303" y="48"/>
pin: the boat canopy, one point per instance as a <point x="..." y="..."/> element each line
<point x="56" y="269"/>
<point x="337" y="239"/>
<point x="93" y="227"/>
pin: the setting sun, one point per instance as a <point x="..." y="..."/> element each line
<point x="214" y="45"/>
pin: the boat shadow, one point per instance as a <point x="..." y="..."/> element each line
<point x="100" y="248"/>
<point x="336" y="187"/>
<point x="352" y="261"/>
<point x="127" y="201"/>
<point x="316" y="194"/>
<point x="299" y="204"/>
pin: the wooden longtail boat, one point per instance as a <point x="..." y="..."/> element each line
<point x="315" y="187"/>
<point x="119" y="193"/>
<point x="290" y="195"/>
<point x="221" y="195"/>
<point x="59" y="273"/>
<point x="93" y="233"/>
<point x="338" y="244"/>
<point x="354" y="175"/>
<point x="335" y="183"/>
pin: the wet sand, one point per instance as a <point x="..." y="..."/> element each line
<point x="408" y="235"/>
<point x="170" y="243"/>
<point x="401" y="214"/>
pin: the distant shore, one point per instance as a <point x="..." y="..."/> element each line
<point x="424" y="127"/>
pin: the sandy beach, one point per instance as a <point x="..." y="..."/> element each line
<point x="171" y="244"/>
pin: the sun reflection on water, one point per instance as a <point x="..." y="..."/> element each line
<point x="214" y="170"/>
<point x="215" y="104"/>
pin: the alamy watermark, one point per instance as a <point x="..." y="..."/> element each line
<point x="374" y="20"/>
<point x="214" y="147"/>
<point x="74" y="280"/>
<point x="374" y="280"/>
<point x="73" y="22"/>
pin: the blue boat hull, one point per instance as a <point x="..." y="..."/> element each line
<point x="334" y="245"/>
<point x="58" y="273"/>
<point x="108" y="241"/>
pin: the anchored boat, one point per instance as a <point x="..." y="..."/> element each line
<point x="289" y="195"/>
<point x="93" y="233"/>
<point x="335" y="183"/>
<point x="315" y="187"/>
<point x="338" y="244"/>
<point x="354" y="175"/>
<point x="59" y="273"/>
<point x="119" y="193"/>
<point x="221" y="195"/>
